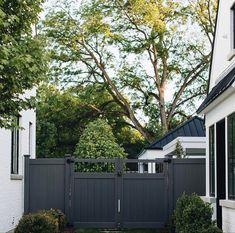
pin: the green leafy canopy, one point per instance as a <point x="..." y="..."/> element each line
<point x="22" y="57"/>
<point x="63" y="114"/>
<point x="152" y="56"/>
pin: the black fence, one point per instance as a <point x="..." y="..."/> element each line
<point x="119" y="193"/>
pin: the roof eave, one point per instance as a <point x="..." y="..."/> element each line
<point x="218" y="100"/>
<point x="150" y="148"/>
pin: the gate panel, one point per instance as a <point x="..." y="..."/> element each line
<point x="94" y="200"/>
<point x="143" y="201"/>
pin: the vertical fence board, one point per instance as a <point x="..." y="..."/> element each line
<point x="189" y="177"/>
<point x="46" y="184"/>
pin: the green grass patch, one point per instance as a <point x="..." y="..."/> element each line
<point x="141" y="231"/>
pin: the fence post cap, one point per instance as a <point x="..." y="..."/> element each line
<point x="167" y="160"/>
<point x="26" y="156"/>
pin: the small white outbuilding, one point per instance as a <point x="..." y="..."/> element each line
<point x="190" y="136"/>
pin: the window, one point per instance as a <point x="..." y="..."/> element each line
<point x="15" y="148"/>
<point x="212" y="160"/>
<point x="233" y="25"/>
<point x="231" y="156"/>
<point x="30" y="137"/>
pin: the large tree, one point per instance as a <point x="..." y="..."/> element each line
<point x="152" y="55"/>
<point x="22" y="60"/>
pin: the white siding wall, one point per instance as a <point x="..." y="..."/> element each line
<point x="222" y="110"/>
<point x="228" y="220"/>
<point x="223" y="61"/>
<point x="223" y="45"/>
<point x="11" y="190"/>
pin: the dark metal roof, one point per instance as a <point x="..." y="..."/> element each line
<point x="191" y="128"/>
<point x="217" y="90"/>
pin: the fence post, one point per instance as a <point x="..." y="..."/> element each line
<point x="169" y="187"/>
<point x="26" y="184"/>
<point x="68" y="174"/>
<point x="119" y="177"/>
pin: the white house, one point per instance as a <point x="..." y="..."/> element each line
<point x="190" y="135"/>
<point x="219" y="111"/>
<point x="13" y="145"/>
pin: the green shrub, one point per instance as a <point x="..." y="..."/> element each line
<point x="37" y="223"/>
<point x="193" y="215"/>
<point x="46" y="221"/>
<point x="212" y="229"/>
<point x="59" y="216"/>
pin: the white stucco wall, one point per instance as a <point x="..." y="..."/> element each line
<point x="11" y="190"/>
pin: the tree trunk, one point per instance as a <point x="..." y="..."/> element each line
<point x="162" y="109"/>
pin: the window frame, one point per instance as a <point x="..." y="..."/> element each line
<point x="233" y="27"/>
<point x="231" y="117"/>
<point x="30" y="137"/>
<point x="15" y="147"/>
<point x="212" y="160"/>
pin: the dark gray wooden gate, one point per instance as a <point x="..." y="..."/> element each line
<point x="120" y="197"/>
<point x="111" y="193"/>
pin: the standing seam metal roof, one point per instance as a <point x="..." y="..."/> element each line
<point x="191" y="128"/>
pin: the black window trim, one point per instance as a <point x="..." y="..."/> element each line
<point x="232" y="115"/>
<point x="212" y="192"/>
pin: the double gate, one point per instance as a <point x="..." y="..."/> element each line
<point x="121" y="196"/>
<point x="118" y="193"/>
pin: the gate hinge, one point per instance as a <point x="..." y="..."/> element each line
<point x="119" y="173"/>
<point x="70" y="160"/>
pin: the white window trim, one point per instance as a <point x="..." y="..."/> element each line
<point x="16" y="177"/>
<point x="227" y="203"/>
